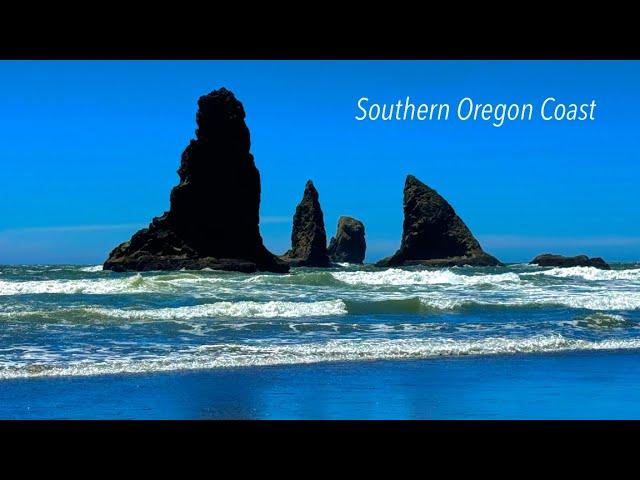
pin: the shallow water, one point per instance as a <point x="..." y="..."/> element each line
<point x="570" y="385"/>
<point x="80" y="320"/>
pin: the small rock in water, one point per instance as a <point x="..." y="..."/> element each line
<point x="349" y="245"/>
<point x="551" y="260"/>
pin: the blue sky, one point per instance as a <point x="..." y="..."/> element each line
<point x="89" y="151"/>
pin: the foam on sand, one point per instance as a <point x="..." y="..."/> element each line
<point x="245" y="355"/>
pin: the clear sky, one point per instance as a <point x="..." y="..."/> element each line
<point x="89" y="151"/>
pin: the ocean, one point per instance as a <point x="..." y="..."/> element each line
<point x="349" y="342"/>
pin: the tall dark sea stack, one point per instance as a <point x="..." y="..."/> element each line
<point x="214" y="214"/>
<point x="308" y="237"/>
<point x="433" y="234"/>
<point x="349" y="244"/>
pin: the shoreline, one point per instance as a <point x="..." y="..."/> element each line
<point x="355" y="363"/>
<point x="581" y="385"/>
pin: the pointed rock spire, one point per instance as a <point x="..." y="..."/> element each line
<point x="214" y="214"/>
<point x="308" y="236"/>
<point x="433" y="234"/>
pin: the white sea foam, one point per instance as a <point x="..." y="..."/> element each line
<point x="601" y="321"/>
<point x="590" y="273"/>
<point x="243" y="355"/>
<point x="591" y="300"/>
<point x="95" y="268"/>
<point x="602" y="300"/>
<point x="395" y="276"/>
<point x="444" y="303"/>
<point x="111" y="286"/>
<point x="271" y="309"/>
<point x="132" y="284"/>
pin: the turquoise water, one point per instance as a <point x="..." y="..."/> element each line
<point x="543" y="338"/>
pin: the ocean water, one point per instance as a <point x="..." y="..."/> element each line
<point x="79" y="326"/>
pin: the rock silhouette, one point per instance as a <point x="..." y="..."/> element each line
<point x="551" y="260"/>
<point x="433" y="234"/>
<point x="308" y="236"/>
<point x="349" y="244"/>
<point x="214" y="213"/>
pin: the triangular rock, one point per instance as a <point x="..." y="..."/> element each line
<point x="433" y="234"/>
<point x="214" y="214"/>
<point x="349" y="244"/>
<point x="308" y="236"/>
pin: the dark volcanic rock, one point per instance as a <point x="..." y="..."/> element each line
<point x="349" y="244"/>
<point x="213" y="218"/>
<point x="308" y="237"/>
<point x="550" y="260"/>
<point x="433" y="234"/>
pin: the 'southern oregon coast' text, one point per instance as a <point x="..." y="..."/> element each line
<point x="497" y="114"/>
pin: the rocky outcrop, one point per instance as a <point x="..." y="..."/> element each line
<point x="551" y="260"/>
<point x="349" y="244"/>
<point x="308" y="237"/>
<point x="214" y="213"/>
<point x="433" y="234"/>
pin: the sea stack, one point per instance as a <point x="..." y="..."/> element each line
<point x="349" y="244"/>
<point x="214" y="210"/>
<point x="433" y="234"/>
<point x="551" y="260"/>
<point x="308" y="237"/>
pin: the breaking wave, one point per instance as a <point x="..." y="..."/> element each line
<point x="272" y="309"/>
<point x="597" y="301"/>
<point x="590" y="273"/>
<point x="109" y="286"/>
<point x="602" y="320"/>
<point x="402" y="305"/>
<point x="243" y="355"/>
<point x="305" y="278"/>
<point x="415" y="305"/>
<point x="132" y="284"/>
<point x="395" y="276"/>
<point x="93" y="269"/>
